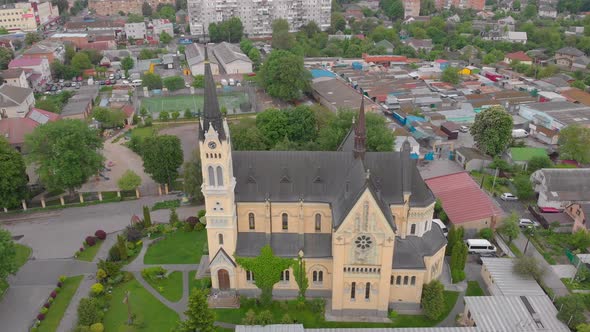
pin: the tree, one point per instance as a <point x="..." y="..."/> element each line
<point x="122" y="247"/>
<point x="427" y="7"/>
<point x="13" y="178"/>
<point x="230" y="30"/>
<point x="164" y="116"/>
<point x="528" y="266"/>
<point x="199" y="81"/>
<point x="198" y="315"/>
<point x="127" y="64"/>
<point x="574" y="143"/>
<point x="165" y="38"/>
<point x="458" y="259"/>
<point x="509" y="227"/>
<point x="89" y="311"/>
<point x="147" y="218"/>
<point x="310" y="29"/>
<point x="129" y="181"/>
<point x="3" y="31"/>
<point x="254" y="55"/>
<point x="433" y="301"/>
<point x="524" y="187"/>
<point x="175" y="115"/>
<point x="65" y="153"/>
<point x="302" y="125"/>
<point x="146" y="9"/>
<point x="273" y="125"/>
<point x="152" y="81"/>
<point x="81" y="61"/>
<point x="394" y="9"/>
<point x="109" y="118"/>
<point x="338" y="22"/>
<point x="162" y="156"/>
<point x="7" y="255"/>
<point x="174" y="83"/>
<point x="492" y="130"/>
<point x="516" y="5"/>
<point x="578" y="84"/>
<point x="135" y="18"/>
<point x="571" y="310"/>
<point x="246" y="136"/>
<point x="530" y="11"/>
<point x="580" y="240"/>
<point x="267" y="270"/>
<point x="301" y="277"/>
<point x="450" y="75"/>
<point x="31" y="38"/>
<point x="284" y="76"/>
<point x="281" y="38"/>
<point x="167" y="12"/>
<point x="6" y="55"/>
<point x="455" y="235"/>
<point x="192" y="176"/>
<point x="538" y="162"/>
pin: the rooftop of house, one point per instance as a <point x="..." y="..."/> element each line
<point x="506" y="282"/>
<point x="571" y="51"/>
<point x="15" y="129"/>
<point x="12" y="73"/>
<point x="11" y="96"/>
<point x="517" y="35"/>
<point x="577" y="96"/>
<point x="472" y="153"/>
<point x="25" y="62"/>
<point x="228" y="53"/>
<point x="520" y="56"/>
<point x="565" y="184"/>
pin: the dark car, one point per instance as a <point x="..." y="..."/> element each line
<point x="67" y="84"/>
<point x="102" y="82"/>
<point x="54" y="88"/>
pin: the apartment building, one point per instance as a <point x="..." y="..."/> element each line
<point x="135" y="30"/>
<point x="25" y="16"/>
<point x="411" y="8"/>
<point x="161" y="25"/>
<point x="113" y="7"/>
<point x="257" y="15"/>
<point x="477" y="5"/>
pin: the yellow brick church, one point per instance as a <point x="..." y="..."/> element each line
<point x="362" y="221"/>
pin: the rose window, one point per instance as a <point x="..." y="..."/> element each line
<point x="363" y="242"/>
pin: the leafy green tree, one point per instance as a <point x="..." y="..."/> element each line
<point x="127" y="64"/>
<point x="450" y="75"/>
<point x="146" y="54"/>
<point x="162" y="156"/>
<point x="492" y="130"/>
<point x="164" y="116"/>
<point x="65" y="152"/>
<point x="89" y="311"/>
<point x="528" y="266"/>
<point x="31" y="38"/>
<point x="530" y="11"/>
<point x="254" y="55"/>
<point x="433" y="301"/>
<point x="509" y="227"/>
<point x="81" y="61"/>
<point x="427" y="7"/>
<point x="135" y="18"/>
<point x="129" y="181"/>
<point x="246" y="45"/>
<point x="13" y="178"/>
<point x="147" y="218"/>
<point x="394" y="9"/>
<point x="578" y="84"/>
<point x="7" y="255"/>
<point x="458" y="259"/>
<point x="109" y="118"/>
<point x="301" y="277"/>
<point x="175" y="115"/>
<point x="246" y="136"/>
<point x="192" y="176"/>
<point x="167" y="12"/>
<point x="187" y="114"/>
<point x="147" y="10"/>
<point x="165" y="38"/>
<point x="281" y="38"/>
<point x="152" y="81"/>
<point x="516" y="5"/>
<point x="198" y="315"/>
<point x="539" y="162"/>
<point x="580" y="240"/>
<point x="524" y="187"/>
<point x="230" y="30"/>
<point x="6" y="55"/>
<point x="379" y="137"/>
<point x="302" y="126"/>
<point x="455" y="236"/>
<point x="310" y="29"/>
<point x="122" y="247"/>
<point x="571" y="310"/>
<point x="574" y="143"/>
<point x="267" y="270"/>
<point x="199" y="81"/>
<point x="174" y="83"/>
<point x="273" y="125"/>
<point x="283" y="75"/>
<point x="338" y="22"/>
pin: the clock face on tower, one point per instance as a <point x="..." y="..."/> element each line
<point x="212" y="145"/>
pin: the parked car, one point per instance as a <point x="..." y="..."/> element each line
<point x="548" y="210"/>
<point x="102" y="82"/>
<point x="527" y="223"/>
<point x="68" y="84"/>
<point x="108" y="82"/>
<point x="463" y="129"/>
<point x="480" y="246"/>
<point x="77" y="86"/>
<point x="508" y="197"/>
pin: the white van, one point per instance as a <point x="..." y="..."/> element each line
<point x="136" y="82"/>
<point x="442" y="226"/>
<point x="519" y="133"/>
<point x="480" y="246"/>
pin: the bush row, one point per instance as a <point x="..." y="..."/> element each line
<point x="47" y="305"/>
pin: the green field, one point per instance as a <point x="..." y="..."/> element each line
<point x="231" y="101"/>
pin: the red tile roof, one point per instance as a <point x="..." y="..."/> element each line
<point x="520" y="56"/>
<point x="15" y="129"/>
<point x="25" y="62"/>
<point x="384" y="58"/>
<point x="462" y="199"/>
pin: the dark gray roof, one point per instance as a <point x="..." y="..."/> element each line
<point x="409" y="253"/>
<point x="348" y="141"/>
<point x="472" y="153"/>
<point x="314" y="245"/>
<point x="324" y="176"/>
<point x="228" y="53"/>
<point x="211" y="112"/>
<point x="13" y="95"/>
<point x="222" y="252"/>
<point x="570" y="51"/>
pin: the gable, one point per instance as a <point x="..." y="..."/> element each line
<point x="366" y="216"/>
<point x="222" y="258"/>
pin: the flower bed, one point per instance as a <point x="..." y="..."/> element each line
<point x="53" y="310"/>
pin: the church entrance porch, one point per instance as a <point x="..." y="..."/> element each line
<point x="223" y="279"/>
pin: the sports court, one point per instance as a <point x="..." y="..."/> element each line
<point x="231" y="101"/>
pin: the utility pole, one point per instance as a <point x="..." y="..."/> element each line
<point x="494" y="183"/>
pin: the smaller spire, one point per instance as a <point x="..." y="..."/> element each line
<point x="360" y="133"/>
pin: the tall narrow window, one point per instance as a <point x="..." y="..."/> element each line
<point x="367" y="291"/>
<point x="287" y="275"/>
<point x="405" y="280"/>
<point x="315" y="276"/>
<point x="318" y="222"/>
<point x="413" y="281"/>
<point x="211" y="176"/>
<point x="353" y="290"/>
<point x="251" y="221"/>
<point x="220" y="236"/>
<point x="398" y="280"/>
<point x="285" y="221"/>
<point x="321" y="276"/>
<point x="219" y="176"/>
<point x="249" y="276"/>
<point x="413" y="229"/>
<point x="391" y="280"/>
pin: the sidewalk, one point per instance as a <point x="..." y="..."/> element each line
<point x="550" y="278"/>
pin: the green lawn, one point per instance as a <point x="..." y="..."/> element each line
<point x="22" y="256"/>
<point x="89" y="252"/>
<point x="198" y="283"/>
<point x="59" y="306"/>
<point x="473" y="289"/>
<point x="315" y="319"/>
<point x="179" y="247"/>
<point x="170" y="288"/>
<point x="193" y="102"/>
<point x="574" y="285"/>
<point x="488" y="183"/>
<point x="152" y="315"/>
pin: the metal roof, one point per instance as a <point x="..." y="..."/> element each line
<point x="514" y="313"/>
<point x="506" y="282"/>
<point x="270" y="328"/>
<point x="411" y="329"/>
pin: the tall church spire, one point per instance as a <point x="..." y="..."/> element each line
<point x="360" y="133"/>
<point x="211" y="113"/>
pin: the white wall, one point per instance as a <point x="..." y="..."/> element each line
<point x="238" y="67"/>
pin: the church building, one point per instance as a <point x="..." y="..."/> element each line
<point x="361" y="221"/>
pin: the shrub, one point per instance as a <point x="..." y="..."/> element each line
<point x="192" y="220"/>
<point x="81" y="249"/>
<point x="264" y="317"/>
<point x="90" y="241"/>
<point x="433" y="301"/>
<point x="286" y="319"/>
<point x="47" y="304"/>
<point x="50" y="300"/>
<point x="97" y="327"/>
<point x="133" y="235"/>
<point x="111" y="268"/>
<point x="83" y="328"/>
<point x="43" y="310"/>
<point x="188" y="227"/>
<point x="62" y="278"/>
<point x="97" y="289"/>
<point x="41" y="316"/>
<point x="153" y="273"/>
<point x="89" y="311"/>
<point x="59" y="284"/>
<point x="100" y="234"/>
<point x="53" y="294"/>
<point x="57" y="289"/>
<point x="114" y="254"/>
<point x="393" y="314"/>
<point x="199" y="227"/>
<point x="173" y="216"/>
<point x="201" y="213"/>
<point x="100" y="274"/>
<point x="486" y="233"/>
<point x="250" y="318"/>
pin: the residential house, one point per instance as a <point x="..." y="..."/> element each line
<point x="38" y="66"/>
<point x="386" y="45"/>
<point x="522" y="156"/>
<point x="411" y="8"/>
<point x="135" y="30"/>
<point x="575" y="31"/>
<point x="15" y="77"/>
<point x="555" y="115"/>
<point x="80" y="105"/>
<point x="500" y="279"/>
<point x="195" y="56"/>
<point x="577" y="96"/>
<point x="15" y="102"/>
<point x="412" y="19"/>
<point x="354" y="11"/>
<point x="158" y="26"/>
<point x="441" y="64"/>
<point x="471" y="159"/>
<point x="50" y="50"/>
<point x="578" y="213"/>
<point x="516" y="37"/>
<point x="231" y="59"/>
<point x="15" y="129"/>
<point x="519" y="56"/>
<point x="547" y="11"/>
<point x="545" y="135"/>
<point x="465" y="203"/>
<point x="506" y="23"/>
<point x="566" y="56"/>
<point x="420" y="44"/>
<point x="560" y="187"/>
